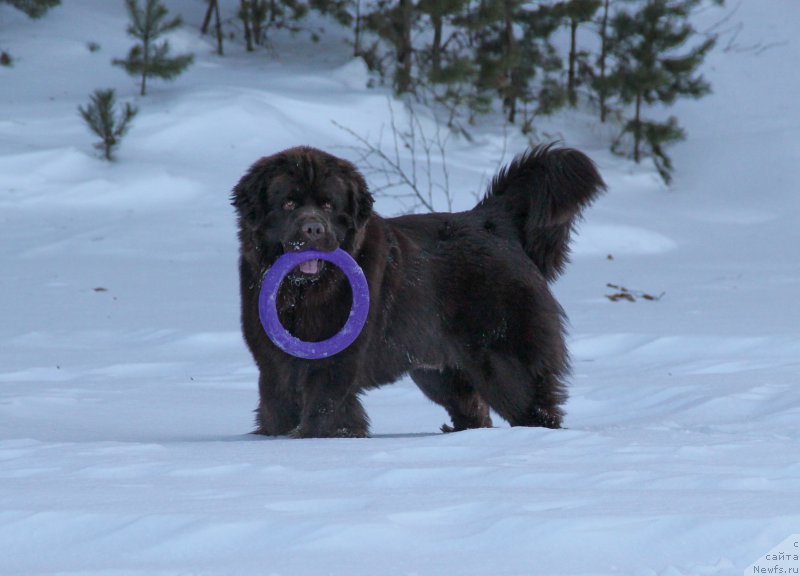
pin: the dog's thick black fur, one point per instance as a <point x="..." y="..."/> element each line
<point x="460" y="301"/>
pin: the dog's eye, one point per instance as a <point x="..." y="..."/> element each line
<point x="327" y="205"/>
<point x="289" y="205"/>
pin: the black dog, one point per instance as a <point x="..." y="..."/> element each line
<point x="460" y="301"/>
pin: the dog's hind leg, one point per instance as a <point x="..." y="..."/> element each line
<point x="524" y="395"/>
<point x="451" y="389"/>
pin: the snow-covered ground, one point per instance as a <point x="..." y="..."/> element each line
<point x="126" y="391"/>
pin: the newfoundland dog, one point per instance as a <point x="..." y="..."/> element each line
<point x="460" y="301"/>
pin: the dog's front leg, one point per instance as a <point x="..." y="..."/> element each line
<point x="331" y="406"/>
<point x="278" y="411"/>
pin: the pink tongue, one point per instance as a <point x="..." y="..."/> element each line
<point x="310" y="267"/>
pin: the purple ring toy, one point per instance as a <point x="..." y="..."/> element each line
<point x="285" y="340"/>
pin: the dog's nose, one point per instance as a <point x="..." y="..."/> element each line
<point x="313" y="230"/>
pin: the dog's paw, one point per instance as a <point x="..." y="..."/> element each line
<point x="341" y="432"/>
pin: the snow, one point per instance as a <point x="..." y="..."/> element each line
<point x="126" y="391"/>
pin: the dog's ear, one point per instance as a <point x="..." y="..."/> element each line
<point x="249" y="196"/>
<point x="364" y="202"/>
<point x="358" y="194"/>
<point x="361" y="198"/>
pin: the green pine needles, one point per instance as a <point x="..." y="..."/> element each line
<point x="150" y="58"/>
<point x="628" y="59"/>
<point x="106" y="122"/>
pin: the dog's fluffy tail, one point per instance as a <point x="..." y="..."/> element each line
<point x="539" y="196"/>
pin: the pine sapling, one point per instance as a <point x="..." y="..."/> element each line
<point x="149" y="57"/>
<point x="106" y="122"/>
<point x="654" y="67"/>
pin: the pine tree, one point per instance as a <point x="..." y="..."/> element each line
<point x="149" y="57"/>
<point x="33" y="8"/>
<point x="258" y="16"/>
<point x="443" y="15"/>
<point x="447" y="67"/>
<point x="467" y="54"/>
<point x="393" y="22"/>
<point x="103" y="119"/>
<point x="648" y="71"/>
<point x="515" y="57"/>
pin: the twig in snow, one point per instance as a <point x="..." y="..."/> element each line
<point x="630" y="295"/>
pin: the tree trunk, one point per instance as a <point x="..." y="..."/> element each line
<point x="637" y="130"/>
<point x="357" y="32"/>
<point x="603" y="53"/>
<point x="207" y="18"/>
<point x="509" y="47"/>
<point x="145" y="63"/>
<point x="244" y="14"/>
<point x="257" y="21"/>
<point x="573" y="57"/>
<point x="436" y="49"/>
<point x="218" y="26"/>
<point x="405" y="49"/>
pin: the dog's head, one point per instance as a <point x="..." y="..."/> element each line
<point x="300" y="199"/>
